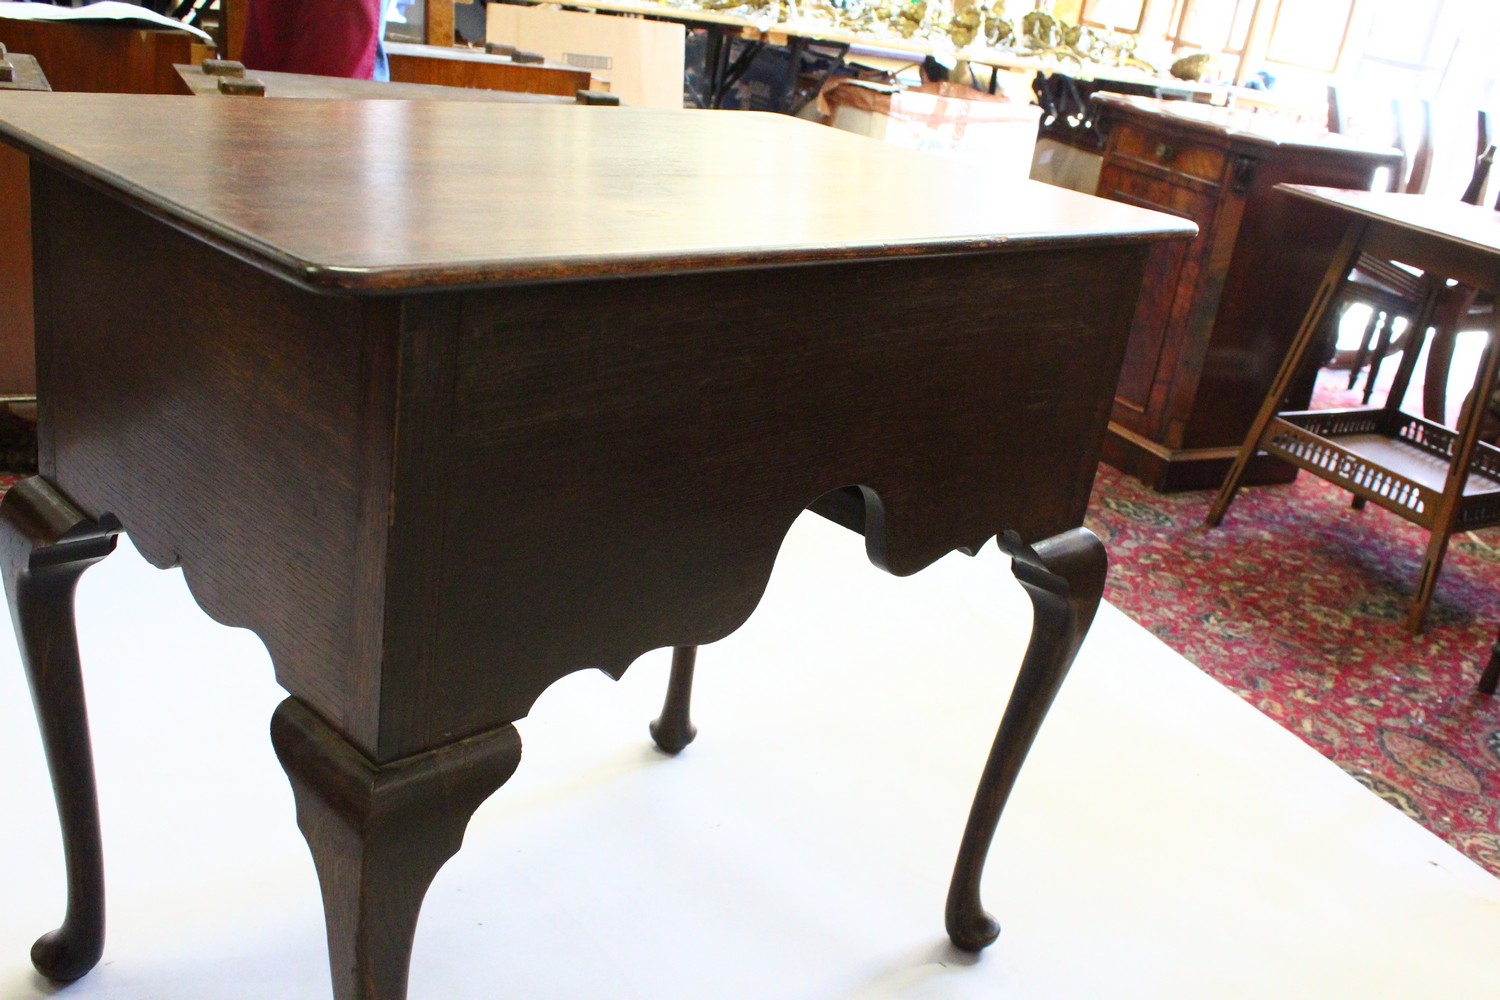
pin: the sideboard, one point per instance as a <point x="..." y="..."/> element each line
<point x="1217" y="315"/>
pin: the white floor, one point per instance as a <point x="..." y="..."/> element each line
<point x="1166" y="841"/>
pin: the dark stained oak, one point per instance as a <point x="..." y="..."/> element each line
<point x="673" y="730"/>
<point x="45" y="545"/>
<point x="379" y="835"/>
<point x="1064" y="577"/>
<point x="511" y="194"/>
<point x="447" y="401"/>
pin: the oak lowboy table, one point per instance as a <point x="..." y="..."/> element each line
<point x="446" y="401"/>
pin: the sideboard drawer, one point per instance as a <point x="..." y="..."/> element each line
<point x="1165" y="152"/>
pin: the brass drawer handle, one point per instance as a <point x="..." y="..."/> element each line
<point x="1165" y="153"/>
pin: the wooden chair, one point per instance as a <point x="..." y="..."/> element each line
<point x="1390" y="291"/>
<point x="1394" y="292"/>
<point x="1461" y="306"/>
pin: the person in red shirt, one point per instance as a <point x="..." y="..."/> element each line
<point x="323" y="37"/>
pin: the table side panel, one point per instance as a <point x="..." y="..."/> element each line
<point x="624" y="457"/>
<point x="101" y="58"/>
<point x="525" y="78"/>
<point x="236" y="425"/>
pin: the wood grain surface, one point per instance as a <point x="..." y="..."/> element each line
<point x="110" y="59"/>
<point x="433" y="504"/>
<point x="511" y="193"/>
<point x="430" y="507"/>
<point x="222" y="412"/>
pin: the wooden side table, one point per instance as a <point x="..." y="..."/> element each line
<point x="1217" y="315"/>
<point x="444" y="65"/>
<point x="17" y="364"/>
<point x="216" y="78"/>
<point x="1442" y="480"/>
<point x="445" y="401"/>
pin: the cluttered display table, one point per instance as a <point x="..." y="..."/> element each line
<point x="819" y="37"/>
<point x="445" y="401"/>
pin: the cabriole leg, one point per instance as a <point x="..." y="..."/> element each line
<point x="673" y="730"/>
<point x="378" y="835"/>
<point x="45" y="545"/>
<point x="1064" y="576"/>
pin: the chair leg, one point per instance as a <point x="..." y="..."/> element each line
<point x="1377" y="356"/>
<point x="1449" y="318"/>
<point x="673" y="730"/>
<point x="1439" y="360"/>
<point x="1064" y="577"/>
<point x="45" y="545"/>
<point x="1366" y="344"/>
<point x="378" y="835"/>
<point x="1491" y="678"/>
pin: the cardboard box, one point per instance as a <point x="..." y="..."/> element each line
<point x="639" y="61"/>
<point x="938" y="117"/>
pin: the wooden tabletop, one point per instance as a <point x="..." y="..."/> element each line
<point x="394" y="195"/>
<point x="1473" y="227"/>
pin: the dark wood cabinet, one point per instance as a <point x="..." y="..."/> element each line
<point x="1216" y="316"/>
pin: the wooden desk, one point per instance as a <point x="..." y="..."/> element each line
<point x="306" y="85"/>
<point x="89" y="57"/>
<point x="1421" y="471"/>
<point x="504" y="396"/>
<point x="455" y="67"/>
<point x="1219" y="314"/>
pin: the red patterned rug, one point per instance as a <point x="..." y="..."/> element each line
<point x="1296" y="602"/>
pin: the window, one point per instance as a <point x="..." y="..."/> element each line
<point x="1117" y="15"/>
<point x="1310" y="33"/>
<point x="1211" y="25"/>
